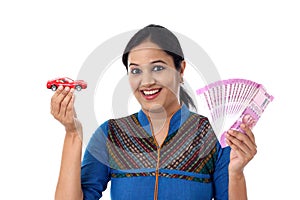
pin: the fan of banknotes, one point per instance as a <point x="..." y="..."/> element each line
<point x="232" y="102"/>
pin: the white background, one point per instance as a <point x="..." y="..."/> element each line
<point x="258" y="40"/>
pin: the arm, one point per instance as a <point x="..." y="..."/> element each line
<point x="243" y="149"/>
<point x="237" y="187"/>
<point x="69" y="183"/>
<point x="62" y="108"/>
<point x="95" y="170"/>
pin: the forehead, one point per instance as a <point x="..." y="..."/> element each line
<point x="148" y="52"/>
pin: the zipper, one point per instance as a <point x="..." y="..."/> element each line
<point x="157" y="174"/>
<point x="158" y="161"/>
<point x="158" y="153"/>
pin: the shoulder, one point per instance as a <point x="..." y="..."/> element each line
<point x="132" y="118"/>
<point x="197" y="115"/>
<point x="102" y="131"/>
<point x="105" y="126"/>
<point x="200" y="120"/>
<point x="204" y="126"/>
<point x="200" y="126"/>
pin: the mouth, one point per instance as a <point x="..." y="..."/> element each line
<point x="150" y="94"/>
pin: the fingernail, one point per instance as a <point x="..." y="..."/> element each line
<point x="60" y="87"/>
<point x="230" y="131"/>
<point x="67" y="88"/>
<point x="72" y="90"/>
<point x="242" y="125"/>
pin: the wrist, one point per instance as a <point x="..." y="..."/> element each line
<point x="236" y="175"/>
<point x="74" y="134"/>
<point x="74" y="130"/>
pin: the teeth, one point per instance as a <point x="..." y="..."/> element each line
<point x="151" y="92"/>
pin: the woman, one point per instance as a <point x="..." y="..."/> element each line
<point x="164" y="151"/>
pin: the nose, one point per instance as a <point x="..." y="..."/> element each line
<point x="147" y="79"/>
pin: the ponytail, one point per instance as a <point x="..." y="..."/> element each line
<point x="186" y="99"/>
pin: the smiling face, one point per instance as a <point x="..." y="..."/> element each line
<point x="154" y="79"/>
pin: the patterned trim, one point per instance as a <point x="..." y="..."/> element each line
<point x="192" y="148"/>
<point x="166" y="175"/>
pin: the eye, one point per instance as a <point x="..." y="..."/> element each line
<point x="158" y="68"/>
<point x="136" y="71"/>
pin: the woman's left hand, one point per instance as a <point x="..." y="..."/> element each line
<point x="243" y="149"/>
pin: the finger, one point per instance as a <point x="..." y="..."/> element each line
<point x="59" y="100"/>
<point x="249" y="132"/>
<point x="55" y="102"/>
<point x="243" y="157"/>
<point x="242" y="142"/>
<point x="237" y="143"/>
<point x="66" y="96"/>
<point x="70" y="106"/>
<point x="58" y="91"/>
<point x="243" y="138"/>
<point x="240" y="155"/>
<point x="238" y="152"/>
<point x="71" y="122"/>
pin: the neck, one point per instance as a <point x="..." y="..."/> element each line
<point x="160" y="113"/>
<point x="160" y="119"/>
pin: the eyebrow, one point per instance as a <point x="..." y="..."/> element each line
<point x="153" y="62"/>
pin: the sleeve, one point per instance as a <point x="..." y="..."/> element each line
<point x="220" y="175"/>
<point x="95" y="171"/>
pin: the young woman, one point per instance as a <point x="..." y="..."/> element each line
<point x="164" y="151"/>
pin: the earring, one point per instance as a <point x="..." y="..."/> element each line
<point x="181" y="80"/>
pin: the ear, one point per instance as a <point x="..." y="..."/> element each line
<point x="182" y="68"/>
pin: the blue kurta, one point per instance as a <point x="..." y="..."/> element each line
<point x="190" y="164"/>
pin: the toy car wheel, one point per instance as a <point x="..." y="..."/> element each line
<point x="53" y="87"/>
<point x="78" y="87"/>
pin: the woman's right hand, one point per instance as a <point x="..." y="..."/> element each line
<point x="62" y="109"/>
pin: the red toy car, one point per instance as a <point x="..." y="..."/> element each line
<point x="66" y="82"/>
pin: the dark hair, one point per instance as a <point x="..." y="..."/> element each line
<point x="168" y="42"/>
